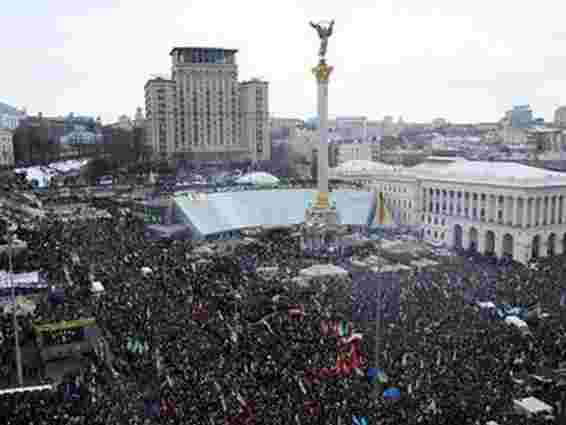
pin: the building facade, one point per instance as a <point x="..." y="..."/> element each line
<point x="361" y="151"/>
<point x="6" y="148"/>
<point x="284" y="128"/>
<point x="501" y="209"/>
<point x="160" y="117"/>
<point x="521" y="116"/>
<point x="560" y="117"/>
<point x="254" y="110"/>
<point x="352" y="127"/>
<point x="10" y="117"/>
<point x="207" y="103"/>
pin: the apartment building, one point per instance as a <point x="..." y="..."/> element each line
<point x="6" y="148"/>
<point x="254" y="110"/>
<point x="160" y="117"/>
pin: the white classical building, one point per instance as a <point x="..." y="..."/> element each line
<point x="498" y="208"/>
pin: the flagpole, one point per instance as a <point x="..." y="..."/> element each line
<point x="14" y="308"/>
<point x="378" y="319"/>
<point x="378" y="325"/>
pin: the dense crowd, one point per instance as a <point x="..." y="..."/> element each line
<point x="217" y="343"/>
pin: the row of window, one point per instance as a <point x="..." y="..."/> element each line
<point x="435" y="234"/>
<point x="395" y="189"/>
<point x="434" y="221"/>
<point x="400" y="203"/>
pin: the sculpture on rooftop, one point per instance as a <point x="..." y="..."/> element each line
<point x="324" y="30"/>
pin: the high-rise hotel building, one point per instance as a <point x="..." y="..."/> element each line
<point x="212" y="112"/>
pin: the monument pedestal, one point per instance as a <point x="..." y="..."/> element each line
<point x="320" y="230"/>
<point x="327" y="217"/>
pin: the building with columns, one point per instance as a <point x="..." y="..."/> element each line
<point x="495" y="208"/>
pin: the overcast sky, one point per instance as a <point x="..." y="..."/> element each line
<point x="463" y="61"/>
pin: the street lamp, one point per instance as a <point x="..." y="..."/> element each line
<point x="11" y="231"/>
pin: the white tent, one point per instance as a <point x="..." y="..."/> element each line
<point x="521" y="325"/>
<point x="96" y="287"/>
<point x="258" y="178"/>
<point x="323" y="270"/>
<point x="531" y="406"/>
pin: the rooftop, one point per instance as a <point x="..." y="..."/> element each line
<point x="462" y="170"/>
<point x="254" y="81"/>
<point x="175" y="49"/>
<point x="158" y="80"/>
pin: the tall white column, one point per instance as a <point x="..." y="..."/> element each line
<point x="514" y="218"/>
<point x="525" y="212"/>
<point x="322" y="172"/>
<point x="322" y="73"/>
<point x="555" y="210"/>
<point x="533" y="208"/>
<point x="490" y="208"/>
<point x="475" y="205"/>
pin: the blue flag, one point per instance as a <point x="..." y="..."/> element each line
<point x="359" y="420"/>
<point x="72" y="391"/>
<point x="152" y="408"/>
<point x="392" y="394"/>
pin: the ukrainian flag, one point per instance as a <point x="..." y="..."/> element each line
<point x="379" y="215"/>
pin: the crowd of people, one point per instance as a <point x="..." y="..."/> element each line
<point x="218" y="343"/>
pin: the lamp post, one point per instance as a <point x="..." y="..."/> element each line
<point x="11" y="229"/>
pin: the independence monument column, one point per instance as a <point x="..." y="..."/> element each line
<point x="322" y="73"/>
<point x="321" y="218"/>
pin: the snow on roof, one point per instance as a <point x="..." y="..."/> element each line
<point x="497" y="172"/>
<point x="357" y="165"/>
<point x="258" y="178"/>
<point x="70" y="165"/>
<point x="43" y="174"/>
<point x="459" y="169"/>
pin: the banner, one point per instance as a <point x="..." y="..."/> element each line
<point x="30" y="280"/>
<point x="59" y="326"/>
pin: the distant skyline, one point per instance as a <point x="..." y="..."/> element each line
<point x="419" y="60"/>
